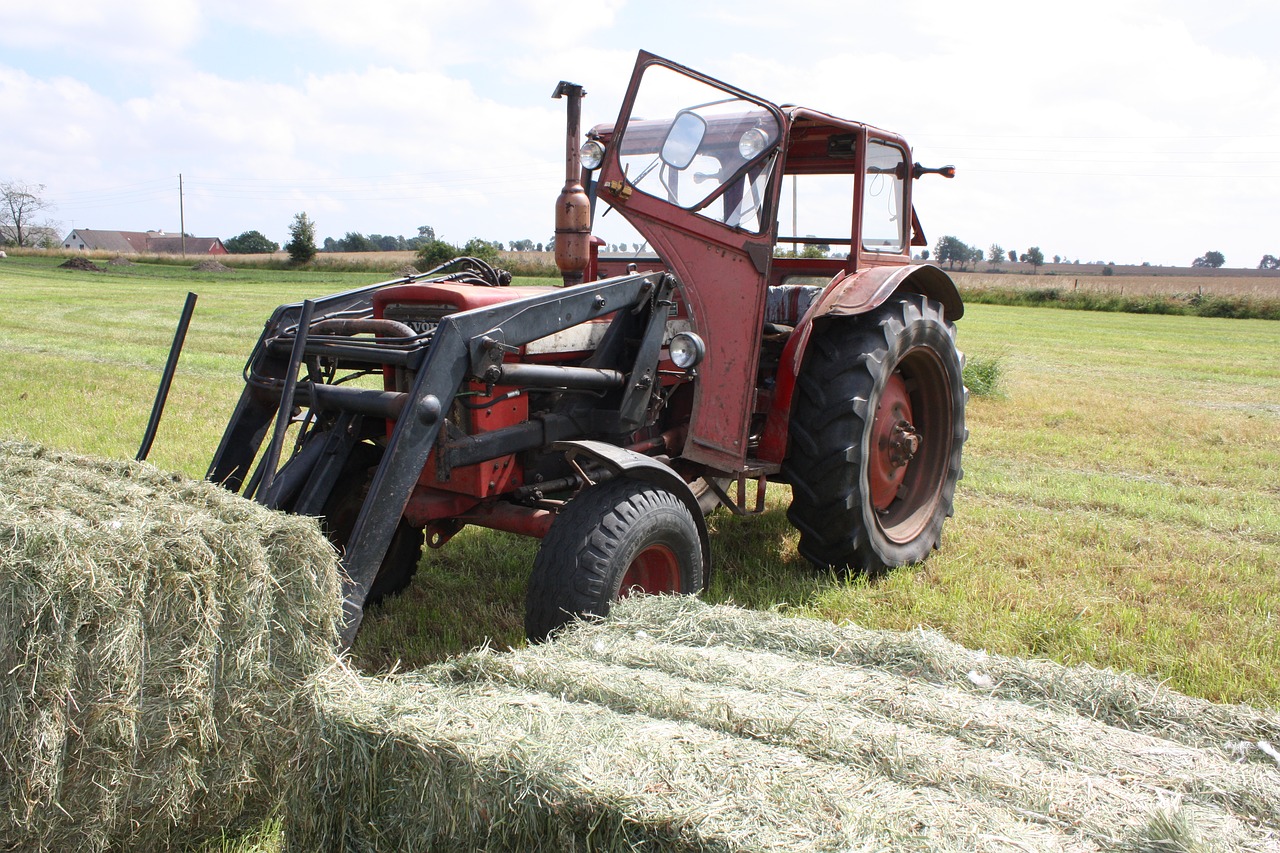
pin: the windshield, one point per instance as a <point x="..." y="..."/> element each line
<point x="700" y="147"/>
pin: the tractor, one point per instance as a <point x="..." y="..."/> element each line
<point x="607" y="416"/>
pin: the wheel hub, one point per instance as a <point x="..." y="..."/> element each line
<point x="894" y="443"/>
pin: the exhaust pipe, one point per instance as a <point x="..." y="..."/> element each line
<point x="573" y="207"/>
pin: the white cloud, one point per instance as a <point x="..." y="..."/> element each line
<point x="403" y="112"/>
<point x="133" y="32"/>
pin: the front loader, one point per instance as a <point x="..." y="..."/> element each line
<point x="607" y="416"/>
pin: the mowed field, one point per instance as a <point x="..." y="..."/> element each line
<point x="1120" y="506"/>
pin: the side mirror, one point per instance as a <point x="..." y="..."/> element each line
<point x="683" y="140"/>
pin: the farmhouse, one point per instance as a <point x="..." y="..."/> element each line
<point x="142" y="242"/>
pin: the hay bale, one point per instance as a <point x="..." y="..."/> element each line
<point x="153" y="630"/>
<point x="650" y="730"/>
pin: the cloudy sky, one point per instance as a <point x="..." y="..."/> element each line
<point x="1126" y="131"/>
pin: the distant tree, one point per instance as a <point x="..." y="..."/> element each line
<point x="924" y="254"/>
<point x="250" y="243"/>
<point x="1269" y="262"/>
<point x="950" y="250"/>
<point x="329" y="245"/>
<point x="302" y="239"/>
<point x="388" y="243"/>
<point x="1108" y="270"/>
<point x="1033" y="256"/>
<point x="426" y="232"/>
<point x="1057" y="259"/>
<point x="1013" y="256"/>
<point x="521" y="245"/>
<point x="1209" y="259"/>
<point x="433" y="253"/>
<point x="539" y="249"/>
<point x="995" y="255"/>
<point x="976" y="256"/>
<point x="485" y="250"/>
<point x="20" y="204"/>
<point x="354" y="241"/>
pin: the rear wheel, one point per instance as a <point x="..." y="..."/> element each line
<point x="876" y="437"/>
<point x="612" y="539"/>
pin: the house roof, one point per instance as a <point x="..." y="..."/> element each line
<point x="140" y="242"/>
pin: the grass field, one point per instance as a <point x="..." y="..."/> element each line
<point x="1121" y="500"/>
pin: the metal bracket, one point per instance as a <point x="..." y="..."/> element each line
<point x="739" y="506"/>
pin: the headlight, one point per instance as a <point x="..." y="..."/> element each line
<point x="687" y="350"/>
<point x="592" y="154"/>
<point x="752" y="143"/>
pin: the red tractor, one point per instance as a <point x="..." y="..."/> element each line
<point x="607" y="416"/>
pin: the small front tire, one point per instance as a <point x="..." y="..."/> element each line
<point x="612" y="539"/>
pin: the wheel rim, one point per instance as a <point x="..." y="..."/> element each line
<point x="911" y="445"/>
<point x="655" y="569"/>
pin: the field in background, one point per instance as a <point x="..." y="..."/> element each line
<point x="1265" y="284"/>
<point x="1120" y="504"/>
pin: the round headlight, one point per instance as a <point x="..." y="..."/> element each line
<point x="592" y="153"/>
<point x="687" y="350"/>
<point x="752" y="143"/>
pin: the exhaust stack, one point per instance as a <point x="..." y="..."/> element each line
<point x="573" y="207"/>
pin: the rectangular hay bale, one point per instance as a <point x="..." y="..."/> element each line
<point x="658" y="729"/>
<point x="153" y="631"/>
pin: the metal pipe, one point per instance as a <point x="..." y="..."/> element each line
<point x="285" y="413"/>
<point x="166" y="378"/>
<point x="361" y="401"/>
<point x="510" y="518"/>
<point x="363" y="325"/>
<point x="552" y="376"/>
<point x="370" y="353"/>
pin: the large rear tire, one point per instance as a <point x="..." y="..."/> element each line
<point x="612" y="539"/>
<point x="876" y="437"/>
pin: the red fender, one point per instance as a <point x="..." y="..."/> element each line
<point x="847" y="295"/>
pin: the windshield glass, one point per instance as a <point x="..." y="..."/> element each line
<point x="699" y="147"/>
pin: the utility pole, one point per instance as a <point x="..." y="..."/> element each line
<point x="182" y="217"/>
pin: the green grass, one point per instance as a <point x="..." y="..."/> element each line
<point x="1120" y="506"/>
<point x="1190" y="304"/>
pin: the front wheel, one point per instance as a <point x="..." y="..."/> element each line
<point x="876" y="436"/>
<point x="614" y="538"/>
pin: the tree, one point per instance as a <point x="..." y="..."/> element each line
<point x="354" y="241"/>
<point x="19" y="205"/>
<point x="302" y="239"/>
<point x="250" y="243"/>
<point x="1209" y="259"/>
<point x="950" y="249"/>
<point x="924" y="254"/>
<point x="1032" y="256"/>
<point x="1013" y="256"/>
<point x="995" y="255"/>
<point x="482" y="249"/>
<point x="1269" y="262"/>
<point x="433" y="253"/>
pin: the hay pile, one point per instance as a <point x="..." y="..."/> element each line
<point x="153" y="632"/>
<point x="211" y="265"/>
<point x="675" y="725"/>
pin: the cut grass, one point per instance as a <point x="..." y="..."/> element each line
<point x="1119" y="505"/>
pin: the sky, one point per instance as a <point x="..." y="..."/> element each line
<point x="1126" y="131"/>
